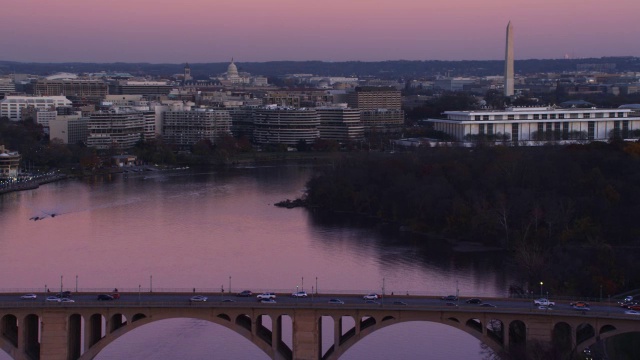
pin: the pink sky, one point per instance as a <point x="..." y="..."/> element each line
<point x="171" y="31"/>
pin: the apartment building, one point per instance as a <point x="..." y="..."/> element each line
<point x="185" y="128"/>
<point x="117" y="128"/>
<point x="12" y="106"/>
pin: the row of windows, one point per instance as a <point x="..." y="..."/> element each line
<point x="551" y="116"/>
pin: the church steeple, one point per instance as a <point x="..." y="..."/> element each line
<point x="187" y="73"/>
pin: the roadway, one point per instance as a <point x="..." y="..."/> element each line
<point x="316" y="300"/>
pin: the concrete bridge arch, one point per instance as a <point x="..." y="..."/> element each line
<point x="232" y="320"/>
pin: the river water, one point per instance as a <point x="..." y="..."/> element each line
<point x="184" y="229"/>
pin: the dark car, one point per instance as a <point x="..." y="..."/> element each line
<point x="105" y="297"/>
<point x="64" y="294"/>
<point x="399" y="303"/>
<point x="244" y="293"/>
<point x="474" y="301"/>
<point x="450" y="298"/>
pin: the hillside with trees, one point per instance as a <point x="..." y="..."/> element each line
<point x="574" y="205"/>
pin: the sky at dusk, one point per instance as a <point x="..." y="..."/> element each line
<point x="170" y="31"/>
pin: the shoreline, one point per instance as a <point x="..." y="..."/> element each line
<point x="32" y="184"/>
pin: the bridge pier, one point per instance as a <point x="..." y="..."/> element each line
<point x="54" y="337"/>
<point x="306" y="337"/>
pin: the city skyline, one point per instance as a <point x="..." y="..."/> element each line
<point x="200" y="31"/>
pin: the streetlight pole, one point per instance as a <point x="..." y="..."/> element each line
<point x="382" y="299"/>
<point x="297" y="297"/>
<point x="229" y="290"/>
<point x="150" y="283"/>
<point x="76" y="283"/>
<point x="60" y="285"/>
<point x="600" y="293"/>
<point x="457" y="292"/>
<point x="316" y="285"/>
<point x="302" y="283"/>
<point x="139" y="289"/>
<point x="541" y="283"/>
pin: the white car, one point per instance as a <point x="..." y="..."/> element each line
<point x="28" y="296"/>
<point x="268" y="301"/>
<point x="198" y="298"/>
<point x="299" y="294"/>
<point x="371" y="296"/>
<point x="336" y="301"/>
<point x="267" y="295"/>
<point x="632" y="312"/>
<point x="67" y="300"/>
<point x="543" y="302"/>
<point x="52" y="299"/>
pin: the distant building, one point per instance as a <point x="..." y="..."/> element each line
<point x="185" y="128"/>
<point x="140" y="88"/>
<point x="118" y="128"/>
<point x="372" y="98"/>
<point x="12" y="106"/>
<point x="340" y="123"/>
<point x="39" y="116"/>
<point x="187" y="73"/>
<point x="279" y="125"/>
<point x="67" y="87"/>
<point x="9" y="163"/>
<point x="70" y="128"/>
<point x="538" y="124"/>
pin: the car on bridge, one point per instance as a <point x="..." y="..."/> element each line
<point x="67" y="300"/>
<point x="105" y="297"/>
<point x="268" y="301"/>
<point x="449" y="298"/>
<point x="28" y="296"/>
<point x="336" y="301"/>
<point x="487" y="305"/>
<point x="399" y="303"/>
<point x="474" y="301"/>
<point x="578" y="305"/>
<point x="244" y="293"/>
<point x="198" y="298"/>
<point x="632" y="312"/>
<point x="299" y="294"/>
<point x="266" y="295"/>
<point x="52" y="299"/>
<point x="64" y="294"/>
<point x="543" y="302"/>
<point x="372" y="296"/>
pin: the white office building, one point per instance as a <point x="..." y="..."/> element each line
<point x="537" y="124"/>
<point x="340" y="123"/>
<point x="12" y="106"/>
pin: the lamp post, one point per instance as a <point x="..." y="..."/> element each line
<point x="457" y="292"/>
<point x="382" y="297"/>
<point x="302" y="287"/>
<point x="600" y="293"/>
<point x="229" y="290"/>
<point x="139" y="289"/>
<point x="76" y="283"/>
<point x="150" y="283"/>
<point x="60" y="285"/>
<point x="316" y="285"/>
<point x="541" y="283"/>
<point x="297" y="294"/>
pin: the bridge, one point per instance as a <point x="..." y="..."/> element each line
<point x="36" y="329"/>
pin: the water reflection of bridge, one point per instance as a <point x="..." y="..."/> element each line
<point x="81" y="331"/>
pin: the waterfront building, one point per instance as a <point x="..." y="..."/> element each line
<point x="382" y="120"/>
<point x="70" y="128"/>
<point x="185" y="128"/>
<point x="242" y="121"/>
<point x="12" y="106"/>
<point x="340" y="123"/>
<point x="289" y="126"/>
<point x="117" y="128"/>
<point x="538" y="124"/>
<point x="9" y="163"/>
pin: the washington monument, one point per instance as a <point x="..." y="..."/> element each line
<point x="508" y="62"/>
